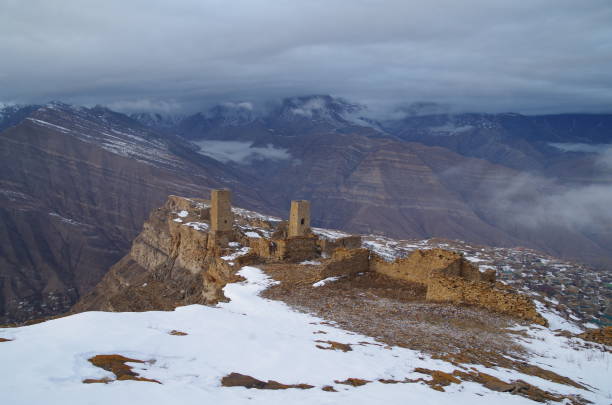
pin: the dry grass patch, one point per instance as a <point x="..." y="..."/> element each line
<point x="115" y="363"/>
<point x="440" y="379"/>
<point x="177" y="333"/>
<point x="241" y="380"/>
<point x="332" y="345"/>
<point x="393" y="311"/>
<point x="353" y="382"/>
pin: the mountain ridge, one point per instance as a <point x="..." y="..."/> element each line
<point x="64" y="166"/>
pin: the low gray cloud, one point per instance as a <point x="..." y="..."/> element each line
<point x="243" y="153"/>
<point x="531" y="56"/>
<point x="533" y="202"/>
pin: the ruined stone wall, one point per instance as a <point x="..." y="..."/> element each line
<point x="219" y="240"/>
<point x="295" y="249"/>
<point x="347" y="261"/>
<point x="291" y="249"/>
<point x="328" y="246"/>
<point x="497" y="298"/>
<point x="421" y="265"/>
<point x="262" y="247"/>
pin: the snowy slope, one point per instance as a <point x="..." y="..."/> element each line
<point x="108" y="129"/>
<point x="46" y="363"/>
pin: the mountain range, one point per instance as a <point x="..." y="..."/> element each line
<point x="77" y="183"/>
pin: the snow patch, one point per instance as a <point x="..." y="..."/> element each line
<point x="243" y="251"/>
<point x="329" y="234"/>
<point x="321" y="283"/>
<point x="258" y="337"/>
<point x="198" y="226"/>
<point x="556" y="321"/>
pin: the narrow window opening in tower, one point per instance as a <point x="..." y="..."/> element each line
<point x="302" y="221"/>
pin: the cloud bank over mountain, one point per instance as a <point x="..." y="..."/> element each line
<point x="532" y="57"/>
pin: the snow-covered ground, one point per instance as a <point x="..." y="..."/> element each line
<point x="47" y="362"/>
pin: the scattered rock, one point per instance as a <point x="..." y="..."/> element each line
<point x="177" y="333"/>
<point x="5" y="340"/>
<point x="329" y="388"/>
<point x="241" y="380"/>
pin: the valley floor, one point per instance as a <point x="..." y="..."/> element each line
<point x="190" y="350"/>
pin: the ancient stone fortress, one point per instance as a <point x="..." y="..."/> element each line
<point x="190" y="249"/>
<point x="447" y="276"/>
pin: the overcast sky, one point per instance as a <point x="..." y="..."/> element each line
<point x="529" y="56"/>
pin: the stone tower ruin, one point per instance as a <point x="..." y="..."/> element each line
<point x="221" y="217"/>
<point x="299" y="218"/>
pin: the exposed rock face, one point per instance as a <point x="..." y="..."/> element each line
<point x="169" y="265"/>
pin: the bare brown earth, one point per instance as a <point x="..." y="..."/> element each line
<point x="396" y="313"/>
<point x="392" y="310"/>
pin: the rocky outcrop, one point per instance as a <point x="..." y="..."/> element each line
<point x="168" y="265"/>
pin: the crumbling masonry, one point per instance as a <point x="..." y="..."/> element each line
<point x="447" y="276"/>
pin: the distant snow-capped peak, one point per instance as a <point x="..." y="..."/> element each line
<point x="157" y="120"/>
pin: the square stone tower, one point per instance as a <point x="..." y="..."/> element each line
<point x="221" y="217"/>
<point x="299" y="218"/>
